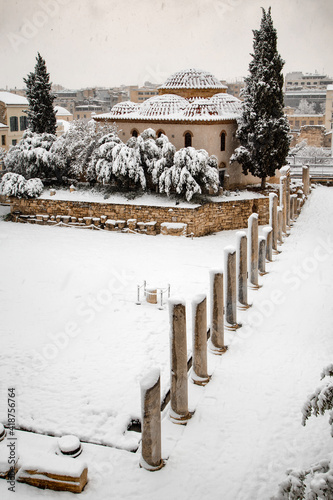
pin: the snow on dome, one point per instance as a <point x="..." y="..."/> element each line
<point x="123" y="108"/>
<point x="192" y="79"/>
<point x="163" y="105"/>
<point x="9" y="98"/>
<point x="227" y="103"/>
<point x="60" y="111"/>
<point x="201" y="107"/>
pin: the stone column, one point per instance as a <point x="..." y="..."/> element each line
<point x="199" y="373"/>
<point x="262" y="255"/>
<point x="216" y="341"/>
<point x="268" y="236"/>
<point x="283" y="202"/>
<point x="151" y="422"/>
<point x="279" y="232"/>
<point x="241" y="253"/>
<point x="178" y="388"/>
<point x="293" y="202"/>
<point x="285" y="172"/>
<point x="253" y="251"/>
<point x="230" y="288"/>
<point x="273" y="219"/>
<point x="306" y="180"/>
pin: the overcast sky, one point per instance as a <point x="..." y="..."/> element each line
<point x="113" y="42"/>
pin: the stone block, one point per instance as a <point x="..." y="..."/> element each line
<point x="173" y="228"/>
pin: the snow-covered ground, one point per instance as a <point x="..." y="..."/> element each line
<point x="75" y="346"/>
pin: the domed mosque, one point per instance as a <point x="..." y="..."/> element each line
<point x="191" y="109"/>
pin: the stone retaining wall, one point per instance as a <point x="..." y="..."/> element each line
<point x="200" y="221"/>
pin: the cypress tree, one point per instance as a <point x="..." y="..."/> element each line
<point x="41" y="114"/>
<point x="263" y="129"/>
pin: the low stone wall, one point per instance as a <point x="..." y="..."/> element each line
<point x="200" y="221"/>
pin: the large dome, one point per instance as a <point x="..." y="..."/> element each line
<point x="122" y="108"/>
<point x="163" y="105"/>
<point x="227" y="103"/>
<point x="192" y="79"/>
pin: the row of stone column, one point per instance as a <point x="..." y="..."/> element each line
<point x="242" y="266"/>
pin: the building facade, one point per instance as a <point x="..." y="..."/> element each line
<point x="13" y="118"/>
<point x="191" y="109"/>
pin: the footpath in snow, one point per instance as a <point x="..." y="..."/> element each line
<point x="246" y="430"/>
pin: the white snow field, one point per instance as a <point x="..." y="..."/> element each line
<point x="75" y="346"/>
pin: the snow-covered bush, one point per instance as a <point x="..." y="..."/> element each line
<point x="193" y="170"/>
<point x="33" y="188"/>
<point x="31" y="157"/>
<point x="126" y="167"/>
<point x="317" y="481"/>
<point x="100" y="165"/>
<point x="305" y="108"/>
<point x="74" y="150"/>
<point x="156" y="154"/>
<point x="16" y="185"/>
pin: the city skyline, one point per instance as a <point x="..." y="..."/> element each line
<point x="111" y="43"/>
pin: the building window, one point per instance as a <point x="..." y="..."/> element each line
<point x="135" y="133"/>
<point x="160" y="132"/>
<point x="188" y="139"/>
<point x="13" y="124"/>
<point x="311" y="122"/>
<point x="223" y="135"/>
<point x="303" y="122"/>
<point x="297" y="123"/>
<point x="78" y="117"/>
<point x="14" y="142"/>
<point x="3" y="140"/>
<point x="23" y="122"/>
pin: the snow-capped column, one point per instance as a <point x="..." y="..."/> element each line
<point x="178" y="388"/>
<point x="253" y="251"/>
<point x="306" y="180"/>
<point x="230" y="288"/>
<point x="151" y="422"/>
<point x="273" y="222"/>
<point x="279" y="231"/>
<point x="293" y="202"/>
<point x="288" y="198"/>
<point x="241" y="240"/>
<point x="216" y="341"/>
<point x="283" y="202"/>
<point x="262" y="255"/>
<point x="199" y="373"/>
<point x="268" y="231"/>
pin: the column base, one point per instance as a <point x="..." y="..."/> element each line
<point x="251" y="286"/>
<point x="199" y="380"/>
<point x="179" y="419"/>
<point x="144" y="465"/>
<point x="243" y="307"/>
<point x="276" y="252"/>
<point x="232" y="328"/>
<point x="262" y="274"/>
<point x="217" y="350"/>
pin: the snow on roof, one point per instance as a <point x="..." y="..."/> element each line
<point x="330" y="87"/>
<point x="201" y="107"/>
<point x="163" y="105"/>
<point x="124" y="107"/>
<point x="192" y="79"/>
<point x="60" y="111"/>
<point x="63" y="124"/>
<point x="13" y="99"/>
<point x="171" y="107"/>
<point x="2" y="125"/>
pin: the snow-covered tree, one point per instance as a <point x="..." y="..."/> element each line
<point x="193" y="170"/>
<point x="16" y="185"/>
<point x="302" y="150"/>
<point x="317" y="481"/>
<point x="263" y="129"/>
<point x="3" y="153"/>
<point x="41" y="114"/>
<point x="156" y="154"/>
<point x="31" y="157"/>
<point x="100" y="165"/>
<point x="75" y="148"/>
<point x="126" y="167"/>
<point x="305" y="108"/>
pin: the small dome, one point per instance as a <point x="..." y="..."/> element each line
<point x="192" y="79"/>
<point x="227" y="103"/>
<point x="125" y="107"/>
<point x="163" y="105"/>
<point x="201" y="107"/>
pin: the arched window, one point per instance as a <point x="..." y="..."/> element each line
<point x="188" y="139"/>
<point x="134" y="133"/>
<point x="160" y="132"/>
<point x="223" y="136"/>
